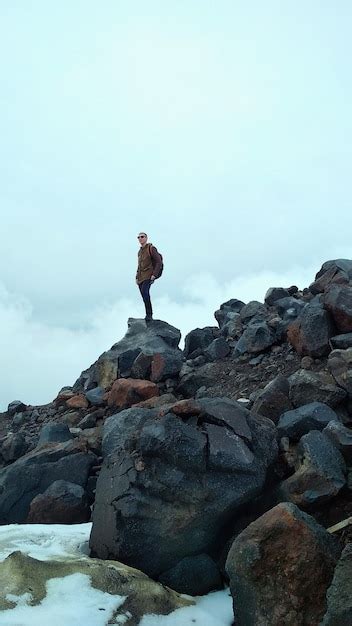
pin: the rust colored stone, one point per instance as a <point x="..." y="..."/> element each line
<point x="77" y="402"/>
<point x="186" y="407"/>
<point x="157" y="367"/>
<point x="280" y="568"/>
<point x="294" y="336"/>
<point x="128" y="391"/>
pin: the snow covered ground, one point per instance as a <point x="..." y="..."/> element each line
<point x="72" y="601"/>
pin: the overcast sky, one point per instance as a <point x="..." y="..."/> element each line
<point x="222" y="129"/>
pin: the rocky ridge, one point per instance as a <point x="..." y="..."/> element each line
<point x="179" y="455"/>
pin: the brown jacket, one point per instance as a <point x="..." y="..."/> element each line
<point x="149" y="263"/>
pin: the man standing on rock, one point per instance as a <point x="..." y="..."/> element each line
<point x="149" y="268"/>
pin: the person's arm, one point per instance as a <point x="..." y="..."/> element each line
<point x="156" y="262"/>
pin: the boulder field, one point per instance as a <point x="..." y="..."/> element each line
<point x="226" y="462"/>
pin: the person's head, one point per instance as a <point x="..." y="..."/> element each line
<point x="142" y="238"/>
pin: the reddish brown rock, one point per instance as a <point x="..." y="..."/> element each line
<point x="166" y="364"/>
<point x="280" y="568"/>
<point x="63" y="396"/>
<point x="186" y="407"/>
<point x="77" y="402"/>
<point x="310" y="333"/>
<point x="158" y="366"/>
<point x="127" y="391"/>
<point x="338" y="271"/>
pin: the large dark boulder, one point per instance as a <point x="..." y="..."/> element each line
<point x="232" y="328"/>
<point x="194" y="379"/>
<point x="313" y="416"/>
<point x="156" y="338"/>
<point x="166" y="364"/>
<point x="320" y="475"/>
<point x="306" y="387"/>
<point x="228" y="310"/>
<point x="226" y="412"/>
<point x="274" y="400"/>
<point x="33" y="473"/>
<point x="168" y="487"/>
<point x="218" y="349"/>
<point x="310" y="333"/>
<point x="16" y="406"/>
<point x="289" y="308"/>
<point x="96" y="396"/>
<point x="338" y="271"/>
<point x="54" y="432"/>
<point x="199" y="339"/>
<point x="275" y="293"/>
<point x="280" y="567"/>
<point x="257" y="337"/>
<point x="338" y="301"/>
<point x="254" y="311"/>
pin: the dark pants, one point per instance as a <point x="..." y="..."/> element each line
<point x="144" y="288"/>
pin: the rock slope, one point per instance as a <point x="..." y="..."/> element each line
<point x="174" y="453"/>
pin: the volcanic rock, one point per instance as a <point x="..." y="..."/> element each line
<point x="151" y="339"/>
<point x="257" y="337"/>
<point x="280" y="567"/>
<point x="306" y="387"/>
<point x="13" y="447"/>
<point x="338" y="300"/>
<point x="342" y="341"/>
<point x="313" y="416"/>
<point x="340" y="365"/>
<point x="199" y="339"/>
<point x="275" y="293"/>
<point x="341" y="437"/>
<point x="34" y="472"/>
<point x="321" y="472"/>
<point x="128" y="391"/>
<point x="15" y="407"/>
<point x="274" y="399"/>
<point x="227" y="310"/>
<point x="338" y="271"/>
<point x="63" y="502"/>
<point x="167" y="487"/>
<point x="311" y="331"/>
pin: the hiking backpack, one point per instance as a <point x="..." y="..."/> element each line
<point x="161" y="258"/>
